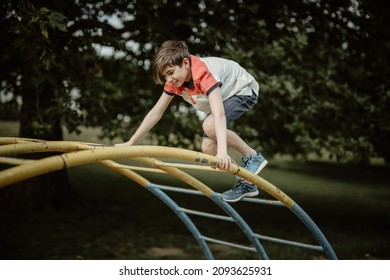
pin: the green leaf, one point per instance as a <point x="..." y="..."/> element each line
<point x="44" y="31"/>
<point x="57" y="21"/>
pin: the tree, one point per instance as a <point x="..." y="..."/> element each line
<point x="322" y="65"/>
<point x="323" y="81"/>
<point x="30" y="71"/>
<point x="44" y="61"/>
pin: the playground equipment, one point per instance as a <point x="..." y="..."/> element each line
<point x="172" y="161"/>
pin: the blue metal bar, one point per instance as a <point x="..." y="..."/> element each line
<point x="299" y="212"/>
<point x="77" y="157"/>
<point x="207" y="215"/>
<point x="271" y="202"/>
<point x="230" y="244"/>
<point x="179" y="190"/>
<point x="289" y="242"/>
<point x="216" y="197"/>
<point x="304" y="217"/>
<point x="184" y="217"/>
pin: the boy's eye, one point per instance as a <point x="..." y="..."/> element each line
<point x="168" y="74"/>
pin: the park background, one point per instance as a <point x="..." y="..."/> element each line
<point x="80" y="70"/>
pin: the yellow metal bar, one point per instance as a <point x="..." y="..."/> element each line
<point x="29" y="170"/>
<point x="178" y="174"/>
<point x="188" y="166"/>
<point x="167" y="164"/>
<point x="44" y="146"/>
<point x="17" y="140"/>
<point x="128" y="173"/>
<point x="15" y="161"/>
<point x="138" y="168"/>
<point x="95" y="154"/>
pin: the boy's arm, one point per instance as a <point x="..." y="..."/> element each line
<point x="218" y="112"/>
<point x="150" y="119"/>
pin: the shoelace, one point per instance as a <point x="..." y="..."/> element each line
<point x="241" y="184"/>
<point x="246" y="162"/>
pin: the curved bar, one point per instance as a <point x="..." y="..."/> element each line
<point x="28" y="170"/>
<point x="184" y="217"/>
<point x="193" y="182"/>
<point x="242" y="224"/>
<point x="15" y="161"/>
<point x="125" y="172"/>
<point x="83" y="153"/>
<point x="44" y="146"/>
<point x="167" y="200"/>
<point x="95" y="153"/>
<point x="190" y="180"/>
<point x="304" y="217"/>
<point x="17" y="140"/>
<point x="83" y="157"/>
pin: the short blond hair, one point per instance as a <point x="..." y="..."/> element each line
<point x="170" y="53"/>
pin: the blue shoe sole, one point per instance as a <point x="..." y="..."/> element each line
<point x="249" y="194"/>
<point x="262" y="165"/>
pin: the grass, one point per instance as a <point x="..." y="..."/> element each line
<point x="118" y="219"/>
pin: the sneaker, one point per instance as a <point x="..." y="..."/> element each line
<point x="254" y="163"/>
<point x="240" y="190"/>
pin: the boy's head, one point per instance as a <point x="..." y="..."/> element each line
<point x="171" y="53"/>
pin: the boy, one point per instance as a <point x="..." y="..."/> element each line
<point x="219" y="87"/>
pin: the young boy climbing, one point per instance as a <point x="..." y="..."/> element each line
<point x="217" y="86"/>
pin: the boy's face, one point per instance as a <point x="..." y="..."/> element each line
<point x="177" y="75"/>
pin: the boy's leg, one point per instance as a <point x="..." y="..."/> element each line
<point x="209" y="146"/>
<point x="233" y="140"/>
<point x="254" y="163"/>
<point x="237" y="143"/>
<point x="251" y="160"/>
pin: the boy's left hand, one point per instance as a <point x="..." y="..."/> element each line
<point x="225" y="161"/>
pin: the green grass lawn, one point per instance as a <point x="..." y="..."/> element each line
<point x="118" y="219"/>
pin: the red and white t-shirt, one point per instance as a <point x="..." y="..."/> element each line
<point x="209" y="73"/>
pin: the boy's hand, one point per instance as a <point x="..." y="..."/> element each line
<point x="225" y="161"/>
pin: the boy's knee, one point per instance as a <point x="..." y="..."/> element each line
<point x="209" y="146"/>
<point x="208" y="127"/>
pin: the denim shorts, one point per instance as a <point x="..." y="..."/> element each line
<point x="236" y="106"/>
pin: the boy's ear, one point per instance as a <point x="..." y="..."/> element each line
<point x="186" y="62"/>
